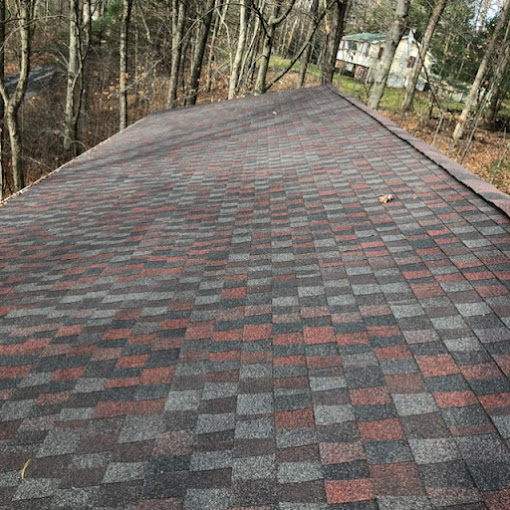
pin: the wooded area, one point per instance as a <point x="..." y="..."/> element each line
<point x="107" y="63"/>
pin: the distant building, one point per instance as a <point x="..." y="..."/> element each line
<point x="360" y="54"/>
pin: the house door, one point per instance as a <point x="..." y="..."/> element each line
<point x="361" y="73"/>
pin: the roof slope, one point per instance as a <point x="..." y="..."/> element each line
<point x="214" y="310"/>
<point x="365" y="37"/>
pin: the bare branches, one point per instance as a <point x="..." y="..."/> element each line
<point x="306" y="45"/>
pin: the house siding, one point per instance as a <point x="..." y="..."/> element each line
<point x="354" y="55"/>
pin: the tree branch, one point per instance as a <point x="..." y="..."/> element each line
<point x="301" y="50"/>
<point x="277" y="21"/>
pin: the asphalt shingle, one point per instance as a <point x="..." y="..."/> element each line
<point x="213" y="310"/>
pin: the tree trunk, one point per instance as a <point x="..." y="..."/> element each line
<point x="280" y="48"/>
<point x="498" y="93"/>
<point x="123" y="52"/>
<point x="70" y="128"/>
<point x="24" y="16"/>
<point x="484" y="11"/>
<point x="308" y="51"/>
<point x="84" y="48"/>
<point x="248" y="65"/>
<point x="305" y="45"/>
<point x="276" y="19"/>
<point x="2" y="106"/>
<point x="260" y="85"/>
<point x="252" y="69"/>
<point x="394" y="35"/>
<point x="500" y="87"/>
<point x="198" y="54"/>
<point x="178" y="18"/>
<point x="187" y="51"/>
<point x="407" y="104"/>
<point x="333" y="41"/>
<point x="217" y="29"/>
<point x="18" y="174"/>
<point x="241" y="43"/>
<point x="291" y="37"/>
<point x="475" y="88"/>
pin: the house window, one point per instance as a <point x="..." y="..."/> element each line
<point x="364" y="51"/>
<point x="352" y="45"/>
<point x="411" y="61"/>
<point x="381" y="51"/>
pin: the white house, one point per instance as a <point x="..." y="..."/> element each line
<point x="360" y="54"/>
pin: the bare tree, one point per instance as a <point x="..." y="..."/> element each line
<point x="482" y="68"/>
<point x="241" y="43"/>
<point x="123" y="54"/>
<point x="439" y="7"/>
<point x="249" y="60"/>
<point x="395" y="33"/>
<point x="333" y="36"/>
<point x="218" y="23"/>
<point x="269" y="28"/>
<point x="2" y="106"/>
<point x="24" y="16"/>
<point x="306" y="44"/>
<point x="70" y="127"/>
<point x="178" y="20"/>
<point x="482" y="14"/>
<point x="500" y="87"/>
<point x="198" y="54"/>
<point x="80" y="22"/>
<point x="314" y="7"/>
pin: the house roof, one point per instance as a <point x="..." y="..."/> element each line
<point x="214" y="310"/>
<point x="373" y="38"/>
<point x="365" y="37"/>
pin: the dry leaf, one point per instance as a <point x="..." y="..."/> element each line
<point x="24" y="469"/>
<point x="386" y="198"/>
<point x="275" y="113"/>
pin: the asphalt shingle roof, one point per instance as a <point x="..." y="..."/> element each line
<point x="213" y="310"/>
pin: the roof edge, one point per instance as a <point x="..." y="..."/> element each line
<point x="481" y="188"/>
<point x="365" y="36"/>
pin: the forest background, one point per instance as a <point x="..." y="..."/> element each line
<point x="74" y="72"/>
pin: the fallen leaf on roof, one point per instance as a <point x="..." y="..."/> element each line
<point x="24" y="469"/>
<point x="386" y="198"/>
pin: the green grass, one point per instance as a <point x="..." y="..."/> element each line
<point x="391" y="100"/>
<point x="278" y="64"/>
<point x="352" y="87"/>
